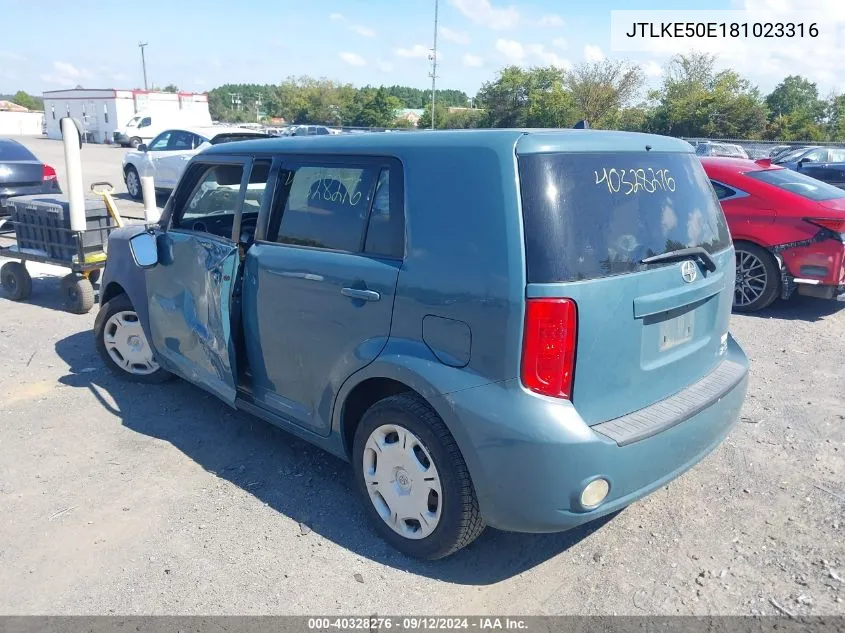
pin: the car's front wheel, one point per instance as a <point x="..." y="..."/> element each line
<point x="133" y="183"/>
<point x="122" y="344"/>
<point x="757" y="278"/>
<point x="413" y="478"/>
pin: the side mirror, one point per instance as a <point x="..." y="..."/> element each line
<point x="143" y="148"/>
<point x="144" y="250"/>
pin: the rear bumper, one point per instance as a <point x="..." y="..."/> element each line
<point x="814" y="270"/>
<point x="530" y="457"/>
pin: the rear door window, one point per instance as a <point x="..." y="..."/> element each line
<point x="591" y="215"/>
<point x="325" y="206"/>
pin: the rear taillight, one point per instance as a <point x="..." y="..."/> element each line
<point x="48" y="174"/>
<point x="548" y="348"/>
<point x="835" y="225"/>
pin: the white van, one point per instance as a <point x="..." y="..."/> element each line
<point x="146" y="125"/>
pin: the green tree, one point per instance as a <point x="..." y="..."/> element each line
<point x="836" y="118"/>
<point x="535" y="97"/>
<point x="599" y="89"/>
<point x="27" y="101"/>
<point x="378" y="109"/>
<point x="171" y="88"/>
<point x="795" y="96"/>
<point x="696" y="101"/>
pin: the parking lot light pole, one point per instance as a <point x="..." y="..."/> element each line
<point x="141" y="45"/>
<point x="434" y="65"/>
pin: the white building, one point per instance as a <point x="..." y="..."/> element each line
<point x="101" y="112"/>
<point x="16" y="120"/>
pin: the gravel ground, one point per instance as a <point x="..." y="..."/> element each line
<point x="132" y="499"/>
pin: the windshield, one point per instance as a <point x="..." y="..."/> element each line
<point x="133" y="122"/>
<point x="595" y="215"/>
<point x="792" y="181"/>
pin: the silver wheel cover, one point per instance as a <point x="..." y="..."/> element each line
<point x="127" y="345"/>
<point x="402" y="481"/>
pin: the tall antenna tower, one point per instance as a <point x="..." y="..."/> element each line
<point x="433" y="57"/>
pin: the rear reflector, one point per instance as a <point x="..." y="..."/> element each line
<point x="548" y="348"/>
<point x="48" y="174"/>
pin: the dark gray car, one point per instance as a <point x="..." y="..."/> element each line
<point x="21" y="173"/>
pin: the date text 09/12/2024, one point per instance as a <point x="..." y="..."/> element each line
<point x="416" y="623"/>
<point x="682" y="30"/>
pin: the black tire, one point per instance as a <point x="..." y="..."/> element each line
<point x="78" y="293"/>
<point x="133" y="183"/>
<point x="460" y="522"/>
<point x="121" y="303"/>
<point x="16" y="281"/>
<point x="755" y="297"/>
<point x="134" y="142"/>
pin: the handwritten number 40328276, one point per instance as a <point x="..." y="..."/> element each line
<point x="628" y="181"/>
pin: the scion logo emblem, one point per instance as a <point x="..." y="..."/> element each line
<point x="688" y="271"/>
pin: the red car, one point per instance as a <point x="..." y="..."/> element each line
<point x="788" y="230"/>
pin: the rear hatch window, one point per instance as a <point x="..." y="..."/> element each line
<point x="594" y="215"/>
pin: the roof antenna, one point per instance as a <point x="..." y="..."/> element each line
<point x="581" y="125"/>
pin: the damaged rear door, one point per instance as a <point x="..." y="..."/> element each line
<point x="190" y="292"/>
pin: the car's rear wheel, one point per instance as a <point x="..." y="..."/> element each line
<point x="16" y="281"/>
<point x="413" y="478"/>
<point x="757" y="278"/>
<point x="122" y="344"/>
<point x="133" y="183"/>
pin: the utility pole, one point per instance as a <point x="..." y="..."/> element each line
<point x="141" y="45"/>
<point x="258" y="108"/>
<point x="433" y="73"/>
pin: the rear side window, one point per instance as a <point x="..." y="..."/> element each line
<point x="326" y="207"/>
<point x="591" y="215"/>
<point x="14" y="151"/>
<point x="386" y="228"/>
<point x="797" y="183"/>
<point x="721" y="190"/>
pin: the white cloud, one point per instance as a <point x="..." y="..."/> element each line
<point x="11" y="56"/>
<point x="384" y="66"/>
<point x="484" y="13"/>
<point x="559" y="42"/>
<point x="417" y="51"/>
<point x="120" y="76"/>
<point x="459" y="37"/>
<point x="593" y="53"/>
<point x="652" y="69"/>
<point x="551" y="20"/>
<point x="472" y="61"/>
<point x="362" y="30"/>
<point x="71" y="71"/>
<point x="337" y="17"/>
<point x="66" y="74"/>
<point x="353" y="59"/>
<point x="511" y="50"/>
<point x="547" y="57"/>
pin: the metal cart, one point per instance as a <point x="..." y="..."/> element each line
<point x="42" y="235"/>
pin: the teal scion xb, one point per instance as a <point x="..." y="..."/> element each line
<point x="526" y="329"/>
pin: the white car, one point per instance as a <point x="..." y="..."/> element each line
<point x="170" y="151"/>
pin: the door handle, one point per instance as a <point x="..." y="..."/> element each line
<point x="363" y="295"/>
